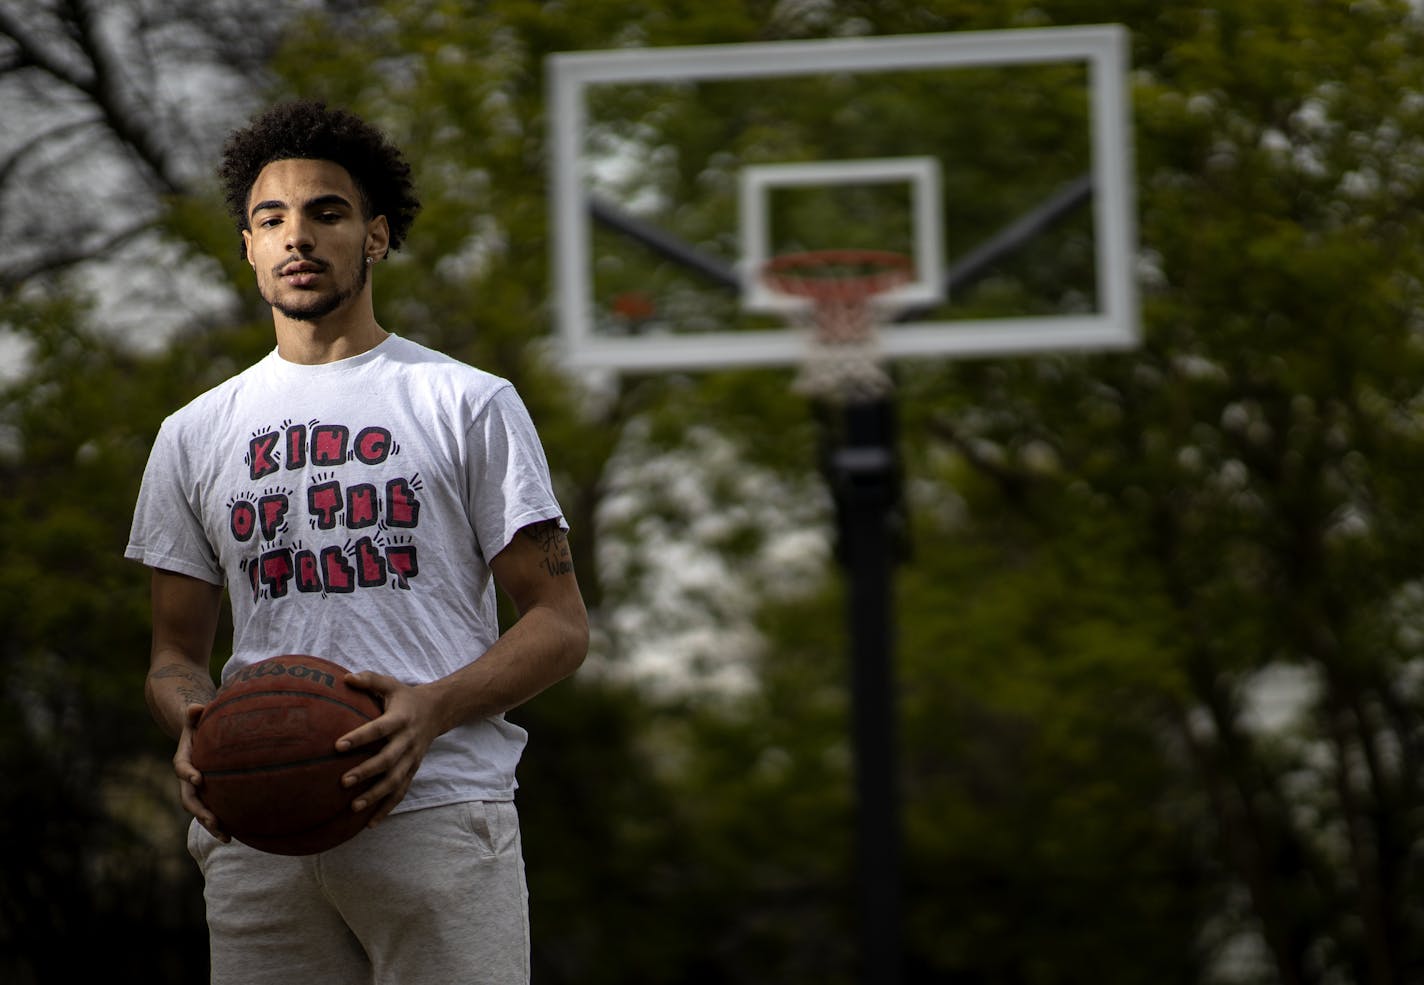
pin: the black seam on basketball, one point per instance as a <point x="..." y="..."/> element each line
<point x="277" y="767"/>
<point x="222" y="702"/>
<point x="287" y="836"/>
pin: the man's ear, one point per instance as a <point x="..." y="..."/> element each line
<point x="378" y="238"/>
<point x="247" y="248"/>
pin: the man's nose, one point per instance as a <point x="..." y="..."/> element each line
<point x="299" y="235"/>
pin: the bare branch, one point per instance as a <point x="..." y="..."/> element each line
<point x="127" y="70"/>
<point x="106" y="94"/>
<point x="56" y="260"/>
<point x="11" y="165"/>
<point x="32" y="52"/>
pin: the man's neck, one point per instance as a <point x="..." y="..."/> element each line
<point x="310" y="343"/>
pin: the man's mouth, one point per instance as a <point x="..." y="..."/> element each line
<point x="301" y="273"/>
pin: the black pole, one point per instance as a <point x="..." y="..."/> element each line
<point x="863" y="469"/>
<point x="864" y="474"/>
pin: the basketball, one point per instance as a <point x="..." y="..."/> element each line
<point x="266" y="746"/>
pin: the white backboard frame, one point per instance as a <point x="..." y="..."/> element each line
<point x="1104" y="49"/>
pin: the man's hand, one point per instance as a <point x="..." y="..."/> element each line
<point x="189" y="779"/>
<point x="409" y="724"/>
<point x="546" y="644"/>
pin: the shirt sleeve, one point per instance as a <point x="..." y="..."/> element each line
<point x="167" y="532"/>
<point x="509" y="482"/>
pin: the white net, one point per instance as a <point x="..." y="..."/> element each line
<point x="847" y="303"/>
<point x="843" y="362"/>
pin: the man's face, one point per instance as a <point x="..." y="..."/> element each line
<point x="309" y="241"/>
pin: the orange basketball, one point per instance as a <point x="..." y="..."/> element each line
<point x="266" y="746"/>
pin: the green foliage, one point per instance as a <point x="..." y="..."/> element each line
<point x="1245" y="471"/>
<point x="87" y="798"/>
<point x="1044" y="828"/>
<point x="1110" y="556"/>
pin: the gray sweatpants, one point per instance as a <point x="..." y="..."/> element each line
<point x="431" y="896"/>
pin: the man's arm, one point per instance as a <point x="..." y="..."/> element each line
<point x="546" y="644"/>
<point x="185" y="623"/>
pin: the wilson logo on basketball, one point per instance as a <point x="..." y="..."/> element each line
<point x="272" y="668"/>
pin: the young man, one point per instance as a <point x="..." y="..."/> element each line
<point x="360" y="497"/>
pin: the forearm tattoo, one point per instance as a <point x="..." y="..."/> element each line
<point x="549" y="536"/>
<point x="194" y="686"/>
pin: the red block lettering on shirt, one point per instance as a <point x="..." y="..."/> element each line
<point x="242" y="520"/>
<point x="373" y="445"/>
<point x="296" y="446"/>
<point x="308" y="573"/>
<point x="261" y="461"/>
<point x="276" y="572"/>
<point x="329" y="444"/>
<point x="370" y="566"/>
<point x="404" y="563"/>
<point x="324" y="503"/>
<point x="274" y="514"/>
<point x="360" y="506"/>
<point x="402" y="508"/>
<point x="339" y="575"/>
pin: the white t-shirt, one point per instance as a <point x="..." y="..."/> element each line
<point x="351" y="508"/>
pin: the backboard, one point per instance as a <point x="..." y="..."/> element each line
<point x="999" y="162"/>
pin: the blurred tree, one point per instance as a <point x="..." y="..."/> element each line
<point x="90" y="826"/>
<point x="109" y="108"/>
<point x="1117" y="562"/>
<point x="1245" y="475"/>
<point x="112" y="113"/>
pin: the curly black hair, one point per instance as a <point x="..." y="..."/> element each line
<point x="309" y="129"/>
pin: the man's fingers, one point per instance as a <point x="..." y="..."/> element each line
<point x="362" y="735"/>
<point x="194" y="805"/>
<point x="387" y="794"/>
<point x="378" y="684"/>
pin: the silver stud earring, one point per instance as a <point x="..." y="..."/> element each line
<point x="370" y="260"/>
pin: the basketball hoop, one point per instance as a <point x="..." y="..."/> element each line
<point x="846" y="290"/>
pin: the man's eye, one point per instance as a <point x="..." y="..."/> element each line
<point x="269" y="222"/>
